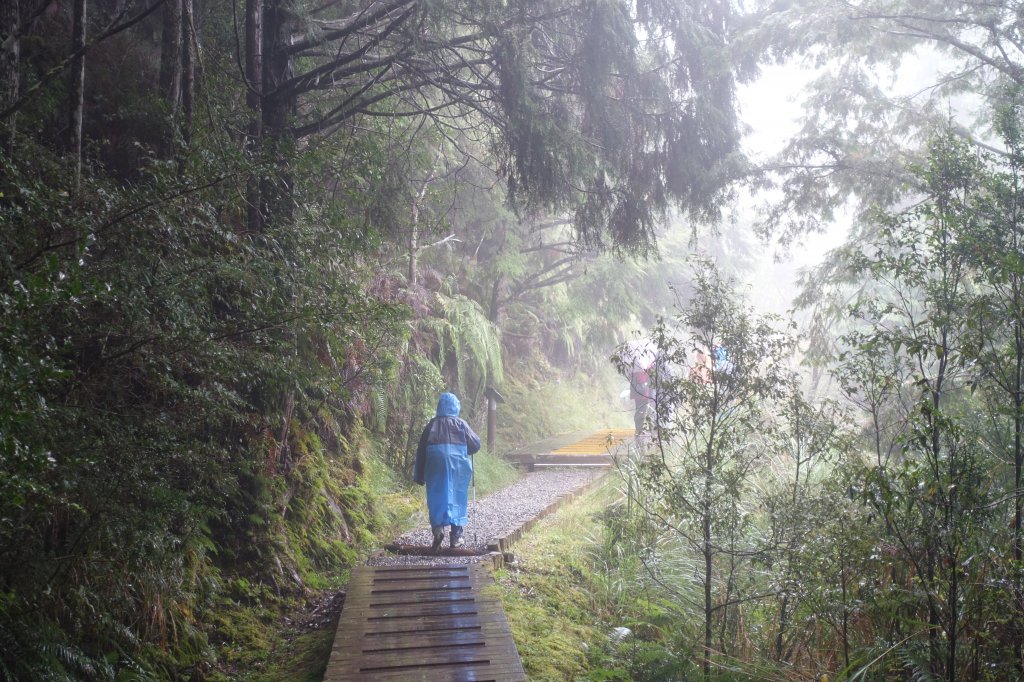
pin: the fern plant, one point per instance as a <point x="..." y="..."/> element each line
<point x="466" y="340"/>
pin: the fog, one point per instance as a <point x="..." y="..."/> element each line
<point x="770" y="110"/>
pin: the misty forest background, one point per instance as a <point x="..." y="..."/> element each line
<point x="245" y="244"/>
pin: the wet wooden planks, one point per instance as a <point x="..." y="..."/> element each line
<point x="583" y="448"/>
<point x="597" y="443"/>
<point x="442" y="623"/>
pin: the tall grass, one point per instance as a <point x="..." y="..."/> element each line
<point x="492" y="473"/>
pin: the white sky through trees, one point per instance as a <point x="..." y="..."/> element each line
<point x="770" y="110"/>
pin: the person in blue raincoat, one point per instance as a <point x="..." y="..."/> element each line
<point x="443" y="464"/>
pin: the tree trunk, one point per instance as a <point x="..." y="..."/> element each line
<point x="783" y="606"/>
<point x="954" y="615"/>
<point x="414" y="245"/>
<point x="414" y="234"/>
<point x="938" y="659"/>
<point x="846" y="610"/>
<point x="188" y="71"/>
<point x="730" y="585"/>
<point x="494" y="309"/>
<point x="935" y="655"/>
<point x="708" y="551"/>
<point x="76" y="93"/>
<point x="1018" y="466"/>
<point x="170" y="71"/>
<point x="780" y="636"/>
<point x="254" y="101"/>
<point x="708" y="606"/>
<point x="10" y="62"/>
<point x="276" y="189"/>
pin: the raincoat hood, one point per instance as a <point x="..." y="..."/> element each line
<point x="448" y="405"/>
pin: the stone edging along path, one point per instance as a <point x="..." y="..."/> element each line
<point x="501" y="545"/>
<point x="499" y="520"/>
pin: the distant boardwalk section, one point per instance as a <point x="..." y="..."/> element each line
<point x="437" y="623"/>
<point x="583" y="448"/>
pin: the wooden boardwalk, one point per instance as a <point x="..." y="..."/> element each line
<point x="442" y="623"/>
<point x="583" y="448"/>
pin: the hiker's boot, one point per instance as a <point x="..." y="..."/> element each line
<point x="438" y="539"/>
<point x="456" y="540"/>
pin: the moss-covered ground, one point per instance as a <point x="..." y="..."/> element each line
<point x="560" y="618"/>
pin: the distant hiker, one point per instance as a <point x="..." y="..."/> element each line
<point x="443" y="464"/>
<point x="700" y="370"/>
<point x="722" y="362"/>
<point x="642" y="392"/>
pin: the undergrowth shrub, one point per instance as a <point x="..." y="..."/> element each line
<point x="175" y="399"/>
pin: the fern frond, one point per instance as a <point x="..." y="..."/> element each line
<point x="473" y="340"/>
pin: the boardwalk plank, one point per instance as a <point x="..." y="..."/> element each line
<point x="425" y="640"/>
<point x="467" y="672"/>
<point x="429" y="623"/>
<point x="413" y="584"/>
<point x="413" y="609"/>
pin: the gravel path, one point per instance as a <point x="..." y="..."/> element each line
<point x="498" y="514"/>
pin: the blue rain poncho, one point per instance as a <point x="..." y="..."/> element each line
<point x="443" y="464"/>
